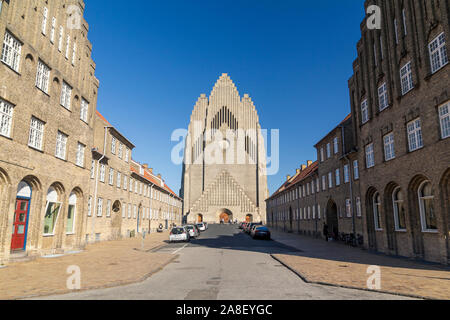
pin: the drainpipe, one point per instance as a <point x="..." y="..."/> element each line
<point x="94" y="207"/>
<point x="350" y="179"/>
<point x="150" y="204"/>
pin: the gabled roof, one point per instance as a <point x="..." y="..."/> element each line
<point x="299" y="177"/>
<point x="147" y="176"/>
<point x="332" y="131"/>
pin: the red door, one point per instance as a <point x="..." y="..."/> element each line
<point x="20" y="224"/>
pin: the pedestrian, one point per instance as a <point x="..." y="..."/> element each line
<point x="325" y="231"/>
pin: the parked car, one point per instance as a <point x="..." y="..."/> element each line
<point x="201" y="226"/>
<point x="251" y="225"/>
<point x="241" y="225"/>
<point x="206" y="225"/>
<point x="179" y="234"/>
<point x="194" y="232"/>
<point x="260" y="232"/>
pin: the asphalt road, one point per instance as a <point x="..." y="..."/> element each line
<point x="225" y="264"/>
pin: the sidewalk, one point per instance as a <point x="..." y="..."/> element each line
<point x="340" y="265"/>
<point x="105" y="264"/>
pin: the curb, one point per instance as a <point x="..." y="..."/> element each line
<point x="348" y="287"/>
<point x="106" y="286"/>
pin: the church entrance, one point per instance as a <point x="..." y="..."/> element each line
<point x="225" y="216"/>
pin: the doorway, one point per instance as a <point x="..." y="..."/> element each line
<point x="21" y="216"/>
<point x="332" y="219"/>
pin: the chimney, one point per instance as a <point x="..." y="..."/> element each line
<point x="303" y="167"/>
<point x="310" y="163"/>
<point x="151" y="170"/>
<point x="298" y="171"/>
<point x="288" y="178"/>
<point x="145" y="165"/>
<point x="159" y="176"/>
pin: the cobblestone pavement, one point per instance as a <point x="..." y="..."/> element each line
<point x="337" y="264"/>
<point x="105" y="264"/>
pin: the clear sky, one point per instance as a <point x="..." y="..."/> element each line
<point x="155" y="58"/>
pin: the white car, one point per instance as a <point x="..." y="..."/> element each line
<point x="194" y="232"/>
<point x="201" y="226"/>
<point x="179" y="234"/>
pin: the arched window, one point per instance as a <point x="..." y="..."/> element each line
<point x="377" y="211"/>
<point x="51" y="211"/>
<point x="426" y="207"/>
<point x="70" y="226"/>
<point x="399" y="210"/>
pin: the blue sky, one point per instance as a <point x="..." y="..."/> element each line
<point x="155" y="58"/>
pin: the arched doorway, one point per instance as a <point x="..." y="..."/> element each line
<point x="225" y="216"/>
<point x="116" y="222"/>
<point x="372" y="214"/>
<point x="199" y="218"/>
<point x="249" y="218"/>
<point x="332" y="219"/>
<point x="445" y="191"/>
<point x="21" y="217"/>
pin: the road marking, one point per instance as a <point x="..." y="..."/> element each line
<point x="180" y="248"/>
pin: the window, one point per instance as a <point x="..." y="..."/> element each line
<point x="61" y="36"/>
<point x="389" y="149"/>
<point x="125" y="183"/>
<point x="67" y="46"/>
<point x="364" y="112"/>
<point x="313" y="189"/>
<point x="99" y="207"/>
<point x="399" y="210"/>
<point x="6" y="114"/>
<point x="358" y="207"/>
<point x="330" y="180"/>
<point x="44" y="21"/>
<point x="131" y="184"/>
<point x="113" y="145"/>
<point x="135" y="186"/>
<point x="405" y="30"/>
<point x="84" y="110"/>
<point x="377" y="211"/>
<point x="51" y="212"/>
<point x="42" y="76"/>
<point x="317" y="185"/>
<point x="102" y="172"/>
<point x="346" y="173"/>
<point x="314" y="212"/>
<point x="322" y="155"/>
<point x="324" y="183"/>
<point x="111" y="176"/>
<point x="415" y="135"/>
<point x="444" y="118"/>
<point x="70" y="226"/>
<point x="355" y="170"/>
<point x="127" y="153"/>
<point x="108" y="208"/>
<point x="92" y="169"/>
<point x="338" y="177"/>
<point x="438" y="53"/>
<point x="61" y="144"/>
<point x="134" y="211"/>
<point x="80" y="154"/>
<point x="90" y="206"/>
<point x="328" y="150"/>
<point x="370" y="157"/>
<point x="11" y="51"/>
<point x="52" y="31"/>
<point x="124" y="210"/>
<point x="336" y="145"/>
<point x="36" y="133"/>
<point x="66" y="94"/>
<point x="426" y="206"/>
<point x="120" y="150"/>
<point x="406" y="78"/>
<point x="129" y="211"/>
<point x="348" y="208"/>
<point x="382" y="97"/>
<point x="119" y="179"/>
<point x="396" y="31"/>
<point x="74" y="53"/>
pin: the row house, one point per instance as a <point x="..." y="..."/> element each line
<point x="48" y="96"/>
<point x="400" y="103"/>
<point x="125" y="197"/>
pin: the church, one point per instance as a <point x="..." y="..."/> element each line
<point x="224" y="170"/>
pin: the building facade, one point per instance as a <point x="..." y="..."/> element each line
<point x="400" y="103"/>
<point x="48" y="94"/>
<point x="224" y="172"/>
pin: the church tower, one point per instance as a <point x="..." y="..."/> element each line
<point x="224" y="170"/>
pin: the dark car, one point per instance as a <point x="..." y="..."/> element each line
<point x="260" y="232"/>
<point x="251" y="225"/>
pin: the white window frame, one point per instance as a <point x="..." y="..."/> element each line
<point x="102" y="172"/>
<point x="67" y="46"/>
<point x="6" y="118"/>
<point x="358" y="207"/>
<point x="99" y="207"/>
<point x="346" y="173"/>
<point x="66" y="95"/>
<point x="348" y="208"/>
<point x="89" y="213"/>
<point x="328" y="150"/>
<point x="84" y="110"/>
<point x="383" y="97"/>
<point x="444" y="120"/>
<point x="74" y="53"/>
<point x="111" y="176"/>
<point x="376" y="206"/>
<point x="11" y="52"/>
<point x="330" y="180"/>
<point x="322" y="154"/>
<point x="52" y="31"/>
<point x="370" y="156"/>
<point x="113" y="145"/>
<point x="405" y="29"/>
<point x="438" y="53"/>
<point x="338" y="177"/>
<point x="336" y="145"/>
<point x="356" y="170"/>
<point x="61" y="37"/>
<point x="406" y="79"/>
<point x="389" y="147"/>
<point x="119" y="179"/>
<point x="61" y="145"/>
<point x="422" y="208"/>
<point x="415" y="137"/>
<point x="395" y="205"/>
<point x="92" y="169"/>
<point x="80" y="154"/>
<point x="108" y="208"/>
<point x="44" y="21"/>
<point x="36" y="136"/>
<point x="42" y="76"/>
<point x="364" y="111"/>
